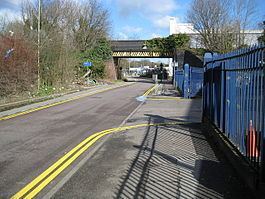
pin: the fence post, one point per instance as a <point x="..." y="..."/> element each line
<point x="186" y="81"/>
<point x="223" y="97"/>
<point x="208" y="57"/>
<point x="263" y="123"/>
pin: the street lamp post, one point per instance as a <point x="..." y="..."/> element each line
<point x="39" y="27"/>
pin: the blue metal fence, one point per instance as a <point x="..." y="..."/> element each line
<point x="189" y="81"/>
<point x="233" y="100"/>
<point x="179" y="80"/>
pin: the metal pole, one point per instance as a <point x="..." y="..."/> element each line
<point x="129" y="66"/>
<point x="39" y="23"/>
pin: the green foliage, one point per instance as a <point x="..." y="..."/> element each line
<point x="170" y="43"/>
<point x="98" y="69"/>
<point x="101" y="52"/>
<point x="45" y="91"/>
<point x="97" y="55"/>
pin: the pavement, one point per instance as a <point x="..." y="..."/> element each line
<point x="166" y="154"/>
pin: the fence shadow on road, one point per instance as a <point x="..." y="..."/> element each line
<point x="176" y="162"/>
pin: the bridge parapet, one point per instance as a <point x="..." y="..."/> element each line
<point x="141" y="54"/>
<point x="134" y="48"/>
<point x="127" y="45"/>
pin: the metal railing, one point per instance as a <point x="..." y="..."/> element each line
<point x="233" y="100"/>
<point x="189" y="81"/>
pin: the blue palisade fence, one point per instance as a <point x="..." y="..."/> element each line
<point x="233" y="100"/>
<point x="189" y="81"/>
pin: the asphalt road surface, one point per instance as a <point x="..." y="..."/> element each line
<point x="29" y="144"/>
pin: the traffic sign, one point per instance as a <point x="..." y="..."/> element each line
<point x="87" y="64"/>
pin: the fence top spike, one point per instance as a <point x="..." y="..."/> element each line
<point x="246" y="49"/>
<point x="249" y="48"/>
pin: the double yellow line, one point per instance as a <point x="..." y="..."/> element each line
<point x="39" y="183"/>
<point x="56" y="103"/>
<point x="150" y="90"/>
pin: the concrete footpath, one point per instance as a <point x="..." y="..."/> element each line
<point x="172" y="160"/>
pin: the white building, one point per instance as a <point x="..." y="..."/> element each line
<point x="250" y="36"/>
<point x="185" y="28"/>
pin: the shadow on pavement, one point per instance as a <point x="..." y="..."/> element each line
<point x="178" y="161"/>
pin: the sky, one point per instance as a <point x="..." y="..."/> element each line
<point x="135" y="19"/>
<point x="144" y="19"/>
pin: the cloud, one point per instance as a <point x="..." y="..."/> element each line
<point x="127" y="7"/>
<point x="146" y="7"/>
<point x="10" y="4"/>
<point x="159" y="6"/>
<point x="131" y="29"/>
<point x="128" y="32"/>
<point x="162" y="21"/>
<point x="10" y="9"/>
<point x="122" y="35"/>
<point x="156" y="11"/>
<point x="9" y="14"/>
<point x="154" y="35"/>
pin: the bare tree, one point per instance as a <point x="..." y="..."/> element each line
<point x="57" y="58"/>
<point x="220" y="22"/>
<point x="261" y="39"/>
<point x="210" y="20"/>
<point x="70" y="30"/>
<point x="2" y="25"/>
<point x="244" y="11"/>
<point x="92" y="24"/>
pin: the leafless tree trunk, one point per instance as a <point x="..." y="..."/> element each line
<point x="2" y="25"/>
<point x="244" y="11"/>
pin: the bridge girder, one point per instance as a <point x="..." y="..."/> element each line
<point x="141" y="54"/>
<point x="134" y="49"/>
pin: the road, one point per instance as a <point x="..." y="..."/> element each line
<point x="32" y="142"/>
